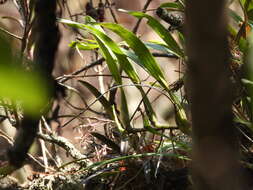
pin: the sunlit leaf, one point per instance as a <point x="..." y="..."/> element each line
<point x="83" y="45"/>
<point x="154" y="131"/>
<point x="117" y="121"/>
<point x="112" y="48"/>
<point x="119" y="54"/>
<point x="159" y="47"/>
<point x="173" y="6"/>
<point x="161" y="31"/>
<point x="140" y="50"/>
<point x="110" y="60"/>
<point x="148" y="61"/>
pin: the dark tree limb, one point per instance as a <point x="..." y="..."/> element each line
<point x="215" y="151"/>
<point x="47" y="37"/>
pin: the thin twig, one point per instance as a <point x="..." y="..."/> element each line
<point x="112" y="12"/>
<point x="97" y="62"/>
<point x="65" y="78"/>
<point x="138" y="107"/>
<point x="139" y="21"/>
<point x="140" y="130"/>
<point x="113" y="88"/>
<point x="6" y="137"/>
<point x="63" y="143"/>
<point x="43" y="150"/>
<point x="9" y="33"/>
<point x="12" y="18"/>
<point x="30" y="158"/>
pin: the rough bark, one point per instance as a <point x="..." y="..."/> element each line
<point x="215" y="151"/>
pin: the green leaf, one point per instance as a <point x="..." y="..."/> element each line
<point x="250" y="15"/>
<point x="243" y="45"/>
<point x="161" y="31"/>
<point x="177" y="6"/>
<point x="159" y="47"/>
<point x="148" y="127"/>
<point x="247" y="3"/>
<point x="244" y="122"/>
<point x="119" y="54"/>
<point x="181" y="38"/>
<point x="124" y="111"/>
<point x="131" y="55"/>
<point x="108" y="46"/>
<point x="181" y="120"/>
<point x="246" y="81"/>
<point x="100" y="97"/>
<point x="235" y="16"/>
<point x="148" y="61"/>
<point x="83" y="45"/>
<point x="135" y="156"/>
<point x="110" y="60"/>
<point x="19" y="85"/>
<point x="117" y="122"/>
<point x="104" y="41"/>
<point x="140" y="50"/>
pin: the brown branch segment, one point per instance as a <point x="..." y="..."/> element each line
<point x="47" y="37"/>
<point x="215" y="151"/>
<point x="65" y="144"/>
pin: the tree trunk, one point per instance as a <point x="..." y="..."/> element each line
<point x="215" y="150"/>
<point x="47" y="37"/>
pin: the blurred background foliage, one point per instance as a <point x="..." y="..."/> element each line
<point x="126" y="97"/>
<point x="21" y="85"/>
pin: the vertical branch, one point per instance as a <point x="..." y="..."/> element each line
<point x="135" y="29"/>
<point x="47" y="35"/>
<point x="111" y="11"/>
<point x="46" y="42"/>
<point x="215" y="150"/>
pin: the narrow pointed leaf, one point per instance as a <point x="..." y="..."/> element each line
<point x="148" y="127"/>
<point x="140" y="50"/>
<point x="119" y="54"/>
<point x="161" y="31"/>
<point x="101" y="98"/>
<point x="109" y="47"/>
<point x="117" y="122"/>
<point x="124" y="111"/>
<point x="110" y="60"/>
<point x="173" y="6"/>
<point x="159" y="47"/>
<point x="83" y="45"/>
